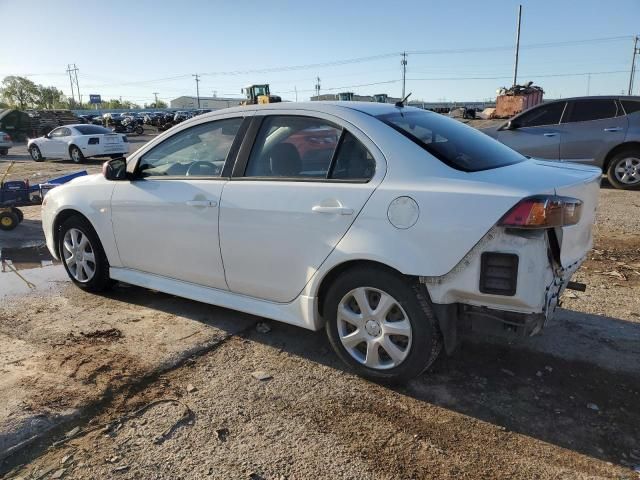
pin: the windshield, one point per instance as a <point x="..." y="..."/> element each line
<point x="459" y="146"/>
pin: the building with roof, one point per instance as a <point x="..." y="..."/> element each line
<point x="214" y="103"/>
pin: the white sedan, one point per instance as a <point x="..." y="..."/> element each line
<point x="392" y="227"/>
<point x="78" y="142"/>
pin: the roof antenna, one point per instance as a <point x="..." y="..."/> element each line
<point x="401" y="103"/>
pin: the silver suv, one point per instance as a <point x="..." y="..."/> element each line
<point x="601" y="131"/>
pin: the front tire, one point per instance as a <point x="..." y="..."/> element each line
<point x="139" y="130"/>
<point x="76" y="154"/>
<point x="381" y="324"/>
<point x="4" y="151"/>
<point x="36" y="154"/>
<point x="83" y="256"/>
<point x="8" y="220"/>
<point x="624" y="170"/>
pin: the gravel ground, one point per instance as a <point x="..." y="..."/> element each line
<point x="563" y="405"/>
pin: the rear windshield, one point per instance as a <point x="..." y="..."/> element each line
<point x="459" y="146"/>
<point x="91" y="129"/>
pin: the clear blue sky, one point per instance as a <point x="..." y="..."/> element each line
<point x="116" y="43"/>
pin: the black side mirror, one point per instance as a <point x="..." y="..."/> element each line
<point x="115" y="169"/>
<point x="512" y="125"/>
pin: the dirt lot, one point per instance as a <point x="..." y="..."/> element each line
<point x="138" y="384"/>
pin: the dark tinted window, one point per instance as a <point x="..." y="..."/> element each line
<point x="585" y="110"/>
<point x="452" y="142"/>
<point x="292" y="146"/>
<point x="353" y="161"/>
<point x="541" y="115"/>
<point x="91" y="129"/>
<point x="630" y="106"/>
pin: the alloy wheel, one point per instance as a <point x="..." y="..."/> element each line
<point x="75" y="155"/>
<point x="374" y="328"/>
<point x="79" y="256"/>
<point x="35" y="153"/>
<point x="627" y="170"/>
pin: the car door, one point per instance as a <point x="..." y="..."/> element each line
<point x="536" y="133"/>
<point x="54" y="145"/>
<point x="591" y="128"/>
<point x="291" y="199"/>
<point x="165" y="220"/>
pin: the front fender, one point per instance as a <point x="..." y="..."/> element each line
<point x="91" y="199"/>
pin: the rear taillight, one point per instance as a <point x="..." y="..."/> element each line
<point x="125" y="139"/>
<point x="94" y="141"/>
<point x="543" y="211"/>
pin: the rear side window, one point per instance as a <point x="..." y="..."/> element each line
<point x="630" y="106"/>
<point x="91" y="129"/>
<point x="455" y="144"/>
<point x="548" y="114"/>
<point x="293" y="147"/>
<point x="353" y="161"/>
<point x="586" y="110"/>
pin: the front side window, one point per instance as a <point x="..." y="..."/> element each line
<point x="455" y="144"/>
<point x="197" y="151"/>
<point x="586" y="110"/>
<point x="548" y="114"/>
<point x="57" y="133"/>
<point x="293" y="147"/>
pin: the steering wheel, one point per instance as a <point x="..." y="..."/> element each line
<point x="208" y="167"/>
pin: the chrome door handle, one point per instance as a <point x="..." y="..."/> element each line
<point x="613" y="129"/>
<point x="334" y="210"/>
<point x="550" y="134"/>
<point x="202" y="203"/>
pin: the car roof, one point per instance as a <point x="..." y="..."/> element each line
<point x="597" y="97"/>
<point x="330" y="107"/>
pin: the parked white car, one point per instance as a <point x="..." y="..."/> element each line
<point x="393" y="227"/>
<point x="5" y="143"/>
<point x="78" y="142"/>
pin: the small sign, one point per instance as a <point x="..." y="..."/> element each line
<point x="95" y="99"/>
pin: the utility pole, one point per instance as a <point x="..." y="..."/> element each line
<point x="156" y="95"/>
<point x="403" y="62"/>
<point x="317" y="87"/>
<point x="197" y="87"/>
<point x="73" y="98"/>
<point x="632" y="74"/>
<point x="588" y="83"/>
<point x="515" y="68"/>
<point x="296" y="90"/>
<point x="73" y="80"/>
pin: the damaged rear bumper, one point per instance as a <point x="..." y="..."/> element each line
<point x="523" y="309"/>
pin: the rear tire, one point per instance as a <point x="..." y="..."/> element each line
<point x="76" y="154"/>
<point x="624" y="170"/>
<point x="139" y="130"/>
<point x="370" y="348"/>
<point x="8" y="220"/>
<point x="4" y="151"/>
<point x="19" y="214"/>
<point x="35" y="153"/>
<point x="82" y="255"/>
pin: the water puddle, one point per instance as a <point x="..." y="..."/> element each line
<point x="24" y="270"/>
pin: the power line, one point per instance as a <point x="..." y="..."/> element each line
<point x="375" y="57"/>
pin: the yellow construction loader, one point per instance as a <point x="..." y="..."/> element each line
<point x="259" y="94"/>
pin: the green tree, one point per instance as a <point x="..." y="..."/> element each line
<point x="160" y="104"/>
<point x="50" y="97"/>
<point x="19" y="92"/>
